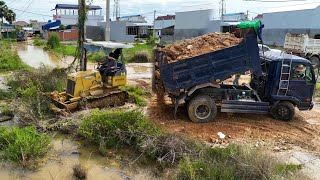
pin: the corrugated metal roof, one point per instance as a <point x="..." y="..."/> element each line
<point x="75" y="6"/>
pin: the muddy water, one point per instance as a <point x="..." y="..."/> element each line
<point x="65" y="153"/>
<point x="35" y="56"/>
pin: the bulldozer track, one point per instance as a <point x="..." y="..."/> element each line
<point x="112" y="99"/>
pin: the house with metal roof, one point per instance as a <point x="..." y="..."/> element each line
<point x="68" y="14"/>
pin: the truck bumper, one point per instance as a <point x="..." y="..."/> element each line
<point x="304" y="106"/>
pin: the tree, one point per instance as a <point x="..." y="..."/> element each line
<point x="10" y="16"/>
<point x="6" y="13"/>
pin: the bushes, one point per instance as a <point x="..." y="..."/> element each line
<point x="22" y="145"/>
<point x="135" y="95"/>
<point x="130" y="53"/>
<point x="39" y="42"/>
<point x="140" y="57"/>
<point x="97" y="57"/>
<point x="30" y="86"/>
<point x="53" y="41"/>
<point x="9" y="59"/>
<point x="233" y="162"/>
<point x="116" y="128"/>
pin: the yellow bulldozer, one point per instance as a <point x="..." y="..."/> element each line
<point x="98" y="87"/>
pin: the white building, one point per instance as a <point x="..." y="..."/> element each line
<point x="163" y="22"/>
<point x="279" y="22"/>
<point x="68" y="14"/>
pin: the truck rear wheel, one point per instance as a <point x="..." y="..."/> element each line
<point x="283" y="111"/>
<point x="202" y="109"/>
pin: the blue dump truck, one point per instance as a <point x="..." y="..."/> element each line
<point x="279" y="82"/>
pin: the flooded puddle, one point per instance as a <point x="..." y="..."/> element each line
<point x="65" y="153"/>
<point x="35" y="56"/>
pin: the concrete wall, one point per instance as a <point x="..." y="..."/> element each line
<point x="277" y="24"/>
<point x="192" y="23"/>
<point x="73" y="19"/>
<point x="160" y="24"/>
<point x="277" y="36"/>
<point x="214" y="26"/>
<point x="118" y="32"/>
<point x="95" y="33"/>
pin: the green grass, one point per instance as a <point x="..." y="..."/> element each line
<point x="66" y="50"/>
<point x="96" y="57"/>
<point x="234" y="162"/>
<point x="191" y="159"/>
<point x="9" y="58"/>
<point x="6" y="110"/>
<point x="23" y="146"/>
<point x="135" y="95"/>
<point x="110" y="129"/>
<point x="6" y="95"/>
<point x="129" y="54"/>
<point x="39" y="42"/>
<point x="30" y="87"/>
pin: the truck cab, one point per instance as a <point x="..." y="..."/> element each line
<point x="287" y="81"/>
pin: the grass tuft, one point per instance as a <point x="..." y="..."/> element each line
<point x="9" y="59"/>
<point x="135" y="95"/>
<point x="23" y="145"/>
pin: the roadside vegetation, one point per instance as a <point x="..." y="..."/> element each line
<point x="136" y="95"/>
<point x="9" y="58"/>
<point x="24" y="146"/>
<point x="29" y="88"/>
<point x="140" y="53"/>
<point x="192" y="160"/>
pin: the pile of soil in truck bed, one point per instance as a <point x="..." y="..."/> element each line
<point x="199" y="45"/>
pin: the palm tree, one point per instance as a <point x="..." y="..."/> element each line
<point x="6" y="13"/>
<point x="10" y="16"/>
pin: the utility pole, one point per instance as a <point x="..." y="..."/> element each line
<point x="81" y="23"/>
<point x="247" y="15"/>
<point x="107" y="33"/>
<point x="222" y="9"/>
<point x="154" y="21"/>
<point x="116" y="9"/>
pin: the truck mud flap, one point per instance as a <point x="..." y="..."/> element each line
<point x="234" y="106"/>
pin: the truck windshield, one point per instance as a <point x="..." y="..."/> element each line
<point x="309" y="75"/>
<point x="302" y="72"/>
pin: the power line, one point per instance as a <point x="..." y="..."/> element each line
<point x="25" y="9"/>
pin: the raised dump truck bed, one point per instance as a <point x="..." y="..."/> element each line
<point x="212" y="67"/>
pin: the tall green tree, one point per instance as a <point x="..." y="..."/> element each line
<point x="6" y="13"/>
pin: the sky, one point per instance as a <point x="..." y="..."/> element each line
<point x="41" y="9"/>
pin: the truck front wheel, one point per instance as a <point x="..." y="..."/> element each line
<point x="283" y="111"/>
<point x="202" y="109"/>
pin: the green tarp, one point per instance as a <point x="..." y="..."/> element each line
<point x="250" y="24"/>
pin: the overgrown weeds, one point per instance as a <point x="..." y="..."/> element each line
<point x="39" y="42"/>
<point x="53" y="41"/>
<point x="130" y="55"/>
<point x="135" y="95"/>
<point x="29" y="87"/>
<point x="9" y="59"/>
<point x="115" y="129"/>
<point x="22" y="145"/>
<point x="234" y="162"/>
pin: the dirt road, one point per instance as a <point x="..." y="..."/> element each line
<point x="303" y="130"/>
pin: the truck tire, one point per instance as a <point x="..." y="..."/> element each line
<point x="314" y="61"/>
<point x="283" y="111"/>
<point x="202" y="109"/>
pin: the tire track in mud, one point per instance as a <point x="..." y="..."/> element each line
<point x="243" y="126"/>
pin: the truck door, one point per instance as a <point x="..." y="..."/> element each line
<point x="302" y="83"/>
